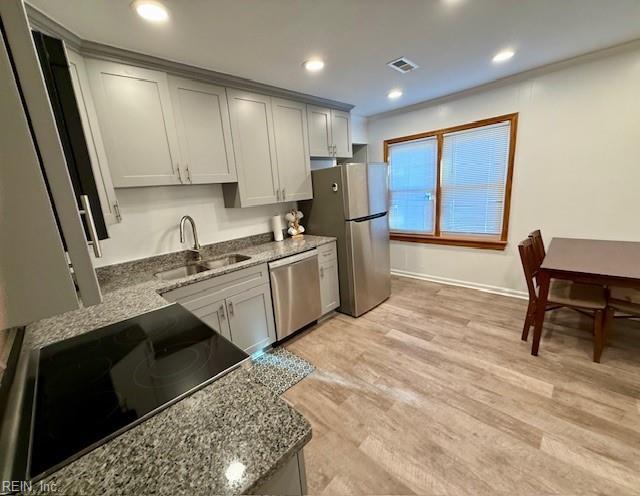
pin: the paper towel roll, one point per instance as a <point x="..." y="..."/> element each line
<point x="277" y="227"/>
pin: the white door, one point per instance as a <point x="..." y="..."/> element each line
<point x="251" y="319"/>
<point x="204" y="131"/>
<point x="136" y="120"/>
<point x="341" y="133"/>
<point x="97" y="154"/>
<point x="254" y="147"/>
<point x="215" y="316"/>
<point x="329" y="285"/>
<point x="320" y="144"/>
<point x="292" y="149"/>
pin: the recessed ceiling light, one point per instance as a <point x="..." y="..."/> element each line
<point x="503" y="56"/>
<point x="314" y="65"/>
<point x="393" y="94"/>
<point x="150" y="10"/>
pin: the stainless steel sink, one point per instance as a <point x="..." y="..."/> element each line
<point x="214" y="263"/>
<point x="197" y="267"/>
<point x="180" y="272"/>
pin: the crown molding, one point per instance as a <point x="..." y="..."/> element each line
<point x="514" y="78"/>
<point x="41" y="22"/>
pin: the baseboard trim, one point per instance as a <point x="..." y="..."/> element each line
<point x="485" y="288"/>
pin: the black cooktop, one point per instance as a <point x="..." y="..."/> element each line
<point x="93" y="387"/>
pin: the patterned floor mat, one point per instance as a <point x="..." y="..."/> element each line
<point x="279" y="369"/>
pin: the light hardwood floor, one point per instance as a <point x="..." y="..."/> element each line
<point x="433" y="392"/>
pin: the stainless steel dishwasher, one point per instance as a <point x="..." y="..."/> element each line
<point x="295" y="290"/>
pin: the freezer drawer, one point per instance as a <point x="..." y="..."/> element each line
<point x="295" y="291"/>
<point x="369" y="263"/>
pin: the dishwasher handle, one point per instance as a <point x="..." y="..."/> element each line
<point x="293" y="259"/>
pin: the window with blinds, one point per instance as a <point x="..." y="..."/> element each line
<point x="474" y="173"/>
<point x="413" y="185"/>
<point x="463" y="197"/>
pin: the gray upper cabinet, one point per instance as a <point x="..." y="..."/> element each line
<point x="319" y="131"/>
<point x="255" y="150"/>
<point x="204" y="131"/>
<point x="341" y="133"/>
<point x="95" y="146"/>
<point x="137" y="124"/>
<point x="292" y="150"/>
<point x="329" y="132"/>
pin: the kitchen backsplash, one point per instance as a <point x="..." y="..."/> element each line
<point x="151" y="216"/>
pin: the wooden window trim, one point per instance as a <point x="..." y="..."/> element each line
<point x="489" y="243"/>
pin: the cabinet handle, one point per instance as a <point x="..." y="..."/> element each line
<point x="278" y="194"/>
<point x="284" y="196"/>
<point x="221" y="312"/>
<point x="116" y="210"/>
<point x="189" y="174"/>
<point x="230" y="309"/>
<point x="335" y="150"/>
<point x="93" y="234"/>
<point x="178" y="171"/>
<point x="330" y="150"/>
<point x="322" y="272"/>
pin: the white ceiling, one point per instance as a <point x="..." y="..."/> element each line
<point x="453" y="41"/>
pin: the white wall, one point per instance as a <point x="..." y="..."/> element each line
<point x="577" y="168"/>
<point x="151" y="217"/>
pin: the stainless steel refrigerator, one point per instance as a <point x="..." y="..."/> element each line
<point x="351" y="202"/>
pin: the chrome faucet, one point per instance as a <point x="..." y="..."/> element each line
<point x="196" y="246"/>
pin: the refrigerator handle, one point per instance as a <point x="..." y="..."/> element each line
<point x="369" y="217"/>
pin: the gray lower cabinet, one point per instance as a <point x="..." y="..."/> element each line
<point x="251" y="318"/>
<point x="329" y="284"/>
<point x="215" y="316"/>
<point x="237" y="305"/>
<point x="289" y="480"/>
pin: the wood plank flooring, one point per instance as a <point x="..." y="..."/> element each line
<point x="433" y="392"/>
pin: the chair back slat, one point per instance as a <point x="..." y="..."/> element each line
<point x="538" y="246"/>
<point x="530" y="266"/>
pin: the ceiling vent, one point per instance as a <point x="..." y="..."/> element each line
<point x="403" y="65"/>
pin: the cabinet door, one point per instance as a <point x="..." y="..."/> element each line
<point x="254" y="147"/>
<point x="204" y="131"/>
<point x="97" y="155"/>
<point x="36" y="282"/>
<point x="215" y="316"/>
<point x="251" y="319"/>
<point x="329" y="286"/>
<point x="319" y="131"/>
<point x="137" y="123"/>
<point x="292" y="150"/>
<point x="341" y="133"/>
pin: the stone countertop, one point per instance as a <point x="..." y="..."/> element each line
<point x="132" y="288"/>
<point x="188" y="447"/>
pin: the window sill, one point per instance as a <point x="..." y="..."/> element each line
<point x="485" y="244"/>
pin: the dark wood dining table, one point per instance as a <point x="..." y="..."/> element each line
<point x="591" y="261"/>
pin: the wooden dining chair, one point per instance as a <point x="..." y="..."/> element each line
<point x="625" y="301"/>
<point x="581" y="297"/>
<point x="538" y="246"/>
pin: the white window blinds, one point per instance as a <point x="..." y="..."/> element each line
<point x="474" y="174"/>
<point x="413" y="185"/>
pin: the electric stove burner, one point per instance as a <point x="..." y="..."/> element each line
<point x="92" y="371"/>
<point x="95" y="386"/>
<point x="190" y="360"/>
